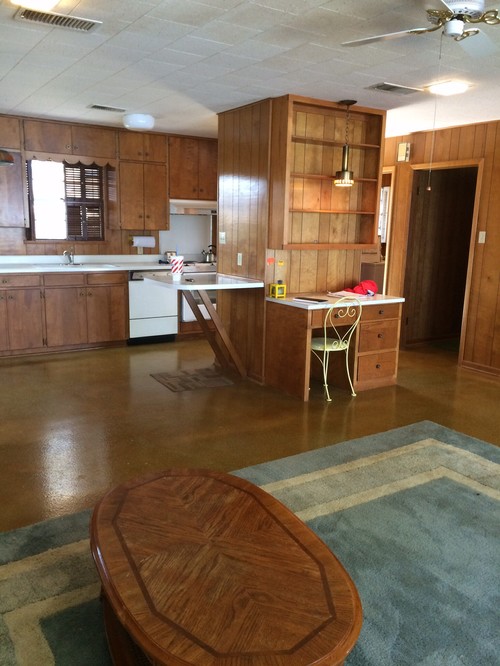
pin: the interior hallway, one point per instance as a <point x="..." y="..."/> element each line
<point x="74" y="425"/>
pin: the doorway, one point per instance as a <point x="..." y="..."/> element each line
<point x="437" y="257"/>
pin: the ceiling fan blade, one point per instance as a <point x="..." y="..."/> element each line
<point x="387" y="37"/>
<point x="479" y="45"/>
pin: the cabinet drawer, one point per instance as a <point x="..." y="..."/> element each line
<point x="107" y="278"/>
<point x="318" y="318"/>
<point x="8" y="281"/>
<point x="64" y="280"/>
<point x="378" y="335"/>
<point x="383" y="311"/>
<point x="377" y="366"/>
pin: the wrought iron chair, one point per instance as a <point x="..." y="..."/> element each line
<point x="339" y="325"/>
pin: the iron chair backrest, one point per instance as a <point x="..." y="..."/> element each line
<point x="341" y="321"/>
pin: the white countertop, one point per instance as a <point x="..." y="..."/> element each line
<point x="92" y="264"/>
<point x="378" y="299"/>
<point x="206" y="282"/>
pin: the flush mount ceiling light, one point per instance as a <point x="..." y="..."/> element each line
<point x="448" y="88"/>
<point x="40" y="5"/>
<point x="138" y="121"/>
<point x="344" y="177"/>
<point x="6" y="159"/>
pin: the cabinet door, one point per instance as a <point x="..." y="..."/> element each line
<point x="66" y="316"/>
<point x="107" y="313"/>
<point x="207" y="169"/>
<point x="183" y="168"/>
<point x="4" y="331"/>
<point x="10" y="133"/>
<point x="93" y="141"/>
<point x="24" y="317"/>
<point x="131" y="195"/>
<point x="47" y="137"/>
<point x="12" y="194"/>
<point x="155" y="196"/>
<point x="144" y="147"/>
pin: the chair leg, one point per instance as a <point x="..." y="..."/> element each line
<point x="326" y="358"/>
<point x="353" y="392"/>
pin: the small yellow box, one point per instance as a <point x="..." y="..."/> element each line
<point x="277" y="290"/>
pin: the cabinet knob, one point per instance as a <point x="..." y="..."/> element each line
<point x="380" y="335"/>
<point x="10" y="297"/>
<point x="82" y="293"/>
<point x="5" y="281"/>
<point x="378" y="366"/>
<point x="381" y="312"/>
<point x="336" y="316"/>
<point x="89" y="293"/>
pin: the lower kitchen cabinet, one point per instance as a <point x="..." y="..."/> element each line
<point x="62" y="311"/>
<point x="21" y="313"/>
<point x="86" y="308"/>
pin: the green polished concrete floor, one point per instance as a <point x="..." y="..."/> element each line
<point x="74" y="425"/>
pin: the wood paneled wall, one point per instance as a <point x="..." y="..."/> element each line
<point x="470" y="145"/>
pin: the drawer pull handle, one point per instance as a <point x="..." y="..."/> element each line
<point x="378" y="366"/>
<point x="381" y="312"/>
<point x="336" y="316"/>
<point x="380" y="335"/>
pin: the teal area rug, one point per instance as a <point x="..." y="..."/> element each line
<point x="412" y="513"/>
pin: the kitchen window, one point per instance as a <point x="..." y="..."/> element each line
<point x="66" y="201"/>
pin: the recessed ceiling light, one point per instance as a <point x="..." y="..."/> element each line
<point x="448" y="88"/>
<point x="40" y="5"/>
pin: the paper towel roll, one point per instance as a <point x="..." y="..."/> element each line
<point x="143" y="241"/>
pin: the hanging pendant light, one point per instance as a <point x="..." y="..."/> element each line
<point x="344" y="177"/>
<point x="6" y="159"/>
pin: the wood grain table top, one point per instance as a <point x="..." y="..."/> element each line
<point x="206" y="568"/>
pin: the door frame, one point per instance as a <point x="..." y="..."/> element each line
<point x="397" y="248"/>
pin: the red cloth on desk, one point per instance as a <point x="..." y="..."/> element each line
<point x="365" y="287"/>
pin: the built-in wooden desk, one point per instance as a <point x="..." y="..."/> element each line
<point x="291" y="324"/>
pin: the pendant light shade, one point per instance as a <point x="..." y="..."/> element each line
<point x="6" y="159"/>
<point x="344" y="177"/>
<point x="138" y="121"/>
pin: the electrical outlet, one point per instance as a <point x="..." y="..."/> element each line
<point x="222" y="237"/>
<point x="239" y="259"/>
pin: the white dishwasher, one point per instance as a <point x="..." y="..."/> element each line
<point x="152" y="307"/>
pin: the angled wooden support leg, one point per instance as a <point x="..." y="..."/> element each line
<point x="221" y="344"/>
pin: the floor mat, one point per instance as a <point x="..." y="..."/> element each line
<point x="189" y="380"/>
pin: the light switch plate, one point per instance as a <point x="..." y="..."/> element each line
<point x="222" y="237"/>
<point x="481" y="237"/>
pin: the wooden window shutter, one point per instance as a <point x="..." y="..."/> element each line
<point x="84" y="201"/>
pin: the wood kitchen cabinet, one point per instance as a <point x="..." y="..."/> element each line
<point x="143" y="196"/>
<point x="142" y="146"/>
<point x="192" y="168"/>
<point x="21" y="313"/>
<point x="10" y="133"/>
<point x="307" y="211"/>
<point x="66" y="139"/>
<point x="84" y="309"/>
<point x="12" y="193"/>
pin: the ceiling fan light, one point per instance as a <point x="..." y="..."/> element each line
<point x="447" y="88"/>
<point x="138" y="121"/>
<point x="454" y="28"/>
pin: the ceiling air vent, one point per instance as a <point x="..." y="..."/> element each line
<point x="101" y="107"/>
<point x="57" y="20"/>
<point x="394" y="88"/>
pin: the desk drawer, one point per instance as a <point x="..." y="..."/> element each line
<point x="318" y="318"/>
<point x="373" y="367"/>
<point x="378" y="335"/>
<point x="384" y="311"/>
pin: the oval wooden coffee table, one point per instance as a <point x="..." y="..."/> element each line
<point x="199" y="567"/>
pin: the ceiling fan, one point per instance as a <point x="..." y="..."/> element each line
<point x="454" y="16"/>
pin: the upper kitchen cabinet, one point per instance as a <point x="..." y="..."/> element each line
<point x="143" y="196"/>
<point x="12" y="193"/>
<point x="193" y="168"/>
<point x="307" y="211"/>
<point x="10" y="133"/>
<point x="66" y="139"/>
<point x="142" y="146"/>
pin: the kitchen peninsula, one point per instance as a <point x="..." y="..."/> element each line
<point x="192" y="286"/>
<point x="374" y="348"/>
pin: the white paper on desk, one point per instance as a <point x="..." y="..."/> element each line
<point x="341" y="294"/>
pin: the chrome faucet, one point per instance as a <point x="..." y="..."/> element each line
<point x="70" y="255"/>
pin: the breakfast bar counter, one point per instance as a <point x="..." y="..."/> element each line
<point x="192" y="285"/>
